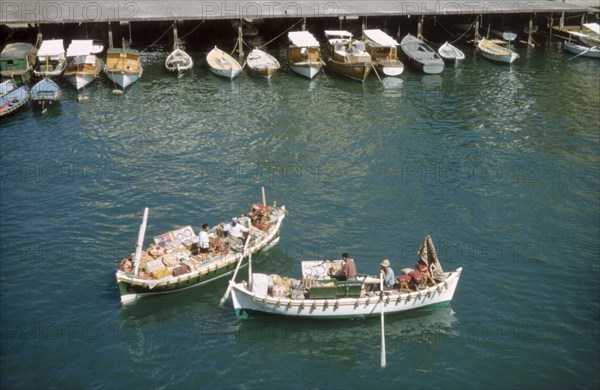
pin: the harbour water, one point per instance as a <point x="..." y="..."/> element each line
<point x="499" y="164"/>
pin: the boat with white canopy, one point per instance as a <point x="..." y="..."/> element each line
<point x="83" y="66"/>
<point x="51" y="59"/>
<point x="383" y="51"/>
<point x="304" y="54"/>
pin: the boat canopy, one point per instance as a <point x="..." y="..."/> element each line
<point x="303" y="39"/>
<point x="53" y="48"/>
<point x="595" y="27"/>
<point x="337" y="34"/>
<point x="16" y="51"/>
<point x="378" y="38"/>
<point x="80" y="48"/>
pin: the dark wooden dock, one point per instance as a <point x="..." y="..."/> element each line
<point x="44" y="12"/>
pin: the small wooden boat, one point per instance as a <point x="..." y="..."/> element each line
<point x="262" y="63"/>
<point x="83" y="65"/>
<point x="123" y="66"/>
<point x="172" y="263"/>
<point x="222" y="64"/>
<point x="51" y="59"/>
<point x="420" y="55"/>
<point x="450" y="53"/>
<point x="581" y="50"/>
<point x="495" y="52"/>
<point x="17" y="61"/>
<point x="383" y="51"/>
<point x="7" y="86"/>
<point x="13" y="101"/>
<point x="304" y="54"/>
<point x="346" y="56"/>
<point x="178" y="61"/>
<point x="45" y="92"/>
<point x="317" y="295"/>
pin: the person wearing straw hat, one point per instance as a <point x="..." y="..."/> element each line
<point x="389" y="279"/>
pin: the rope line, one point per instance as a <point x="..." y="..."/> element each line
<point x="159" y="38"/>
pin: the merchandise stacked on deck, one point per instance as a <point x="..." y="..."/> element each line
<point x="259" y="214"/>
<point x="335" y="289"/>
<point x="173" y="253"/>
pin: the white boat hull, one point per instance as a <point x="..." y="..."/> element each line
<point x="507" y="58"/>
<point x="80" y="82"/>
<point x="123" y="80"/>
<point x="591" y="52"/>
<point x="306" y="70"/>
<point x="245" y="301"/>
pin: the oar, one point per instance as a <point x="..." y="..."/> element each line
<point x="377" y="74"/>
<point x="383" y="363"/>
<point x="222" y="303"/>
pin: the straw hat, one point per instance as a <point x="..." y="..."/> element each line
<point x="385" y="263"/>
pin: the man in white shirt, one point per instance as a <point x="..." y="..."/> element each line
<point x="235" y="233"/>
<point x="204" y="239"/>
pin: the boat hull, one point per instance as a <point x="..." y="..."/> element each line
<point x="389" y="68"/>
<point x="179" y="61"/>
<point x="306" y="69"/>
<point x="132" y="288"/>
<point x="246" y="302"/>
<point x="355" y="71"/>
<point x="496" y="53"/>
<point x="13" y="101"/>
<point x="122" y="79"/>
<point x="46" y="91"/>
<point x="583" y="51"/>
<point x="222" y="64"/>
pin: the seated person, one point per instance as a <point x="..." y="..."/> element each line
<point x="389" y="279"/>
<point x="235" y="233"/>
<point x="348" y="271"/>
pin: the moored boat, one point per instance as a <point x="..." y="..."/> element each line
<point x="123" y="66"/>
<point x="383" y="51"/>
<point x="83" y="65"/>
<point x="304" y="54"/>
<point x="51" y="59"/>
<point x="178" y="61"/>
<point x="262" y="63"/>
<point x="7" y="86"/>
<point x="45" y="92"/>
<point x="420" y="55"/>
<point x="581" y="50"/>
<point x="174" y="261"/>
<point x="317" y="295"/>
<point x="17" y="61"/>
<point x="450" y="53"/>
<point x="346" y="56"/>
<point x="222" y="64"/>
<point x="495" y="52"/>
<point x="13" y="101"/>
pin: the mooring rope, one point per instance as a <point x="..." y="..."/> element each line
<point x="292" y="26"/>
<point x="199" y="24"/>
<point x="159" y="38"/>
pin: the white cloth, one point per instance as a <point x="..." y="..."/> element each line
<point x="204" y="241"/>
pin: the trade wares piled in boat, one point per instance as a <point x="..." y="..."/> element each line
<point x="222" y="64"/>
<point x="304" y="54"/>
<point x="317" y="295"/>
<point x="346" y="56"/>
<point x="51" y="59"/>
<point x="123" y="66"/>
<point x="495" y="52"/>
<point x="450" y="53"/>
<point x="14" y="100"/>
<point x="383" y="51"/>
<point x="262" y="63"/>
<point x="173" y="263"/>
<point x="17" y="61"/>
<point x="83" y="65"/>
<point x="45" y="92"/>
<point x="420" y="55"/>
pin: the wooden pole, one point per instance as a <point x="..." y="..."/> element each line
<point x="420" y="28"/>
<point x="240" y="42"/>
<point x="110" y="36"/>
<point x="551" y="27"/>
<point x="303" y="24"/>
<point x="237" y="268"/>
<point x="264" y="198"/>
<point x="140" y="243"/>
<point x="383" y="359"/>
<point x="529" y="36"/>
<point x="175" y="38"/>
<point x="476" y="34"/>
